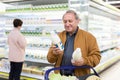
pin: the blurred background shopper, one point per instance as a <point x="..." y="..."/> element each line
<point x="17" y="44"/>
<point x="73" y="37"/>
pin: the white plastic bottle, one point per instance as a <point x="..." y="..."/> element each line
<point x="56" y="40"/>
<point x="77" y="54"/>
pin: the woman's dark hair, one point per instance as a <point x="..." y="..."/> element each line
<point x="17" y="22"/>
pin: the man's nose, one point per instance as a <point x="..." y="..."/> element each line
<point x="67" y="23"/>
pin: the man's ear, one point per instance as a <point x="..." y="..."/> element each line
<point x="78" y="20"/>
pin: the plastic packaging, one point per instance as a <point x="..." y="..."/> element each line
<point x="76" y="54"/>
<point x="56" y="40"/>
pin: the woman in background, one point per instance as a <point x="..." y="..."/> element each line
<point x="17" y="44"/>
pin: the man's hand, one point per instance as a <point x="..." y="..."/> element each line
<point x="78" y="62"/>
<point x="56" y="51"/>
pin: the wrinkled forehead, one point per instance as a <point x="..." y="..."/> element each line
<point x="68" y="16"/>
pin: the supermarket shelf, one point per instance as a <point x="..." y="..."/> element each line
<point x="34" y="60"/>
<point x="112" y="72"/>
<point x="106" y="5"/>
<point x="26" y="76"/>
<point x="37" y="60"/>
<point x="34" y="2"/>
<point x="108" y="47"/>
<point x="40" y="25"/>
<point x="107" y="12"/>
<point x="107" y="63"/>
<point x="33" y="76"/>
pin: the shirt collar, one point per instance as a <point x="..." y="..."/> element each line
<point x="74" y="33"/>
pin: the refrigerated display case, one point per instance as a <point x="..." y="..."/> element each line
<point x="104" y="23"/>
<point x="36" y="28"/>
<point x="3" y="37"/>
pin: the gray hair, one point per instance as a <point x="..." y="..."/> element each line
<point x="73" y="12"/>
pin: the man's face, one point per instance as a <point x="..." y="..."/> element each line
<point x="70" y="22"/>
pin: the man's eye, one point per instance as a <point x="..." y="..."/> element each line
<point x="65" y="21"/>
<point x="70" y="21"/>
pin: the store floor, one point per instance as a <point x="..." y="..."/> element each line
<point x="112" y="73"/>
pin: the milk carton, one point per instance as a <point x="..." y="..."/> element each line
<point x="56" y="40"/>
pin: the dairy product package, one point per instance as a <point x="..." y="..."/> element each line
<point x="56" y="40"/>
<point x="77" y="54"/>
